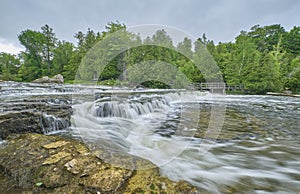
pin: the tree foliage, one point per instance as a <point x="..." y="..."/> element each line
<point x="266" y="58"/>
<point x="8" y="66"/>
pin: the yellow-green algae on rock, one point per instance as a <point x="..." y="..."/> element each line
<point x="33" y="163"/>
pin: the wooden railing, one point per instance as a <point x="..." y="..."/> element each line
<point x="213" y="86"/>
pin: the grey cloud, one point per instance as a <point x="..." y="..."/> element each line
<point x="221" y="20"/>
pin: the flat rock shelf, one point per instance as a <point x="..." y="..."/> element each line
<point x="34" y="163"/>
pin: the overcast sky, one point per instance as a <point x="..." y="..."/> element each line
<point x="221" y="20"/>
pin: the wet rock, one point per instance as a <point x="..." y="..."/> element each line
<point x="36" y="163"/>
<point x="55" y="144"/>
<point x="109" y="179"/>
<point x="44" y="79"/>
<point x="56" y="158"/>
<point x="37" y="115"/>
<point x="72" y="166"/>
<point x="20" y="122"/>
<point x="59" y="79"/>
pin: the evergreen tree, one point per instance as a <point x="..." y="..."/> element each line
<point x="62" y="55"/>
<point x="50" y="42"/>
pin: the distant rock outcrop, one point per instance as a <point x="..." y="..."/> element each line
<point x="58" y="79"/>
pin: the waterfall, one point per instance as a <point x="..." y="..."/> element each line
<point x="140" y="105"/>
<point x="51" y="123"/>
<point x="129" y="109"/>
<point x="145" y="125"/>
<point x="256" y="151"/>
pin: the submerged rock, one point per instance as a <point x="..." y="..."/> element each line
<point x="33" y="163"/>
<point x="236" y="125"/>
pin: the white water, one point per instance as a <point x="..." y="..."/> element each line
<point x="135" y="125"/>
<point x="257" y="163"/>
<point x="263" y="159"/>
<point x="52" y="124"/>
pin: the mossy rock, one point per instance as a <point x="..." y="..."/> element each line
<point x="34" y="163"/>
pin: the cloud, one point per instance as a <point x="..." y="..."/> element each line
<point x="221" y="20"/>
<point x="8" y="47"/>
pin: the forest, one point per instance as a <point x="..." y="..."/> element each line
<point x="262" y="59"/>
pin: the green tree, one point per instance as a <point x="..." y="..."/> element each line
<point x="163" y="49"/>
<point x="185" y="47"/>
<point x="70" y="69"/>
<point x="113" y="27"/>
<point x="263" y="76"/>
<point x="185" y="50"/>
<point x="30" y="68"/>
<point x="62" y="55"/>
<point x="223" y="57"/>
<point x="50" y="42"/>
<point x="162" y="38"/>
<point x="266" y="37"/>
<point x="38" y="54"/>
<point x="293" y="77"/>
<point x="192" y="72"/>
<point x="264" y="59"/>
<point x="8" y="66"/>
<point x="85" y="41"/>
<point x="114" y="47"/>
<point x="34" y="42"/>
<point x="244" y="57"/>
<point x="292" y="41"/>
<point x="205" y="62"/>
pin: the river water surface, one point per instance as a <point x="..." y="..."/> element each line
<point x="257" y="149"/>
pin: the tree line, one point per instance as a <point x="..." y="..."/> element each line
<point x="265" y="58"/>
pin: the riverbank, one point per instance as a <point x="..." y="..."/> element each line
<point x="33" y="163"/>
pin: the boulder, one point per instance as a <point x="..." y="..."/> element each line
<point x="33" y="163"/>
<point x="58" y="79"/>
<point x="44" y="79"/>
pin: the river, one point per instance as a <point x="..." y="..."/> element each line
<point x="256" y="149"/>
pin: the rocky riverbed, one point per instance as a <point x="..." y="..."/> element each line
<point x="37" y="108"/>
<point x="33" y="163"/>
<point x="101" y="143"/>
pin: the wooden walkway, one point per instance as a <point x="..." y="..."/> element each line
<point x="216" y="87"/>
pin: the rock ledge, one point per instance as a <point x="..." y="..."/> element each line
<point x="34" y="163"/>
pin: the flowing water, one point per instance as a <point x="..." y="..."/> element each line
<point x="256" y="149"/>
